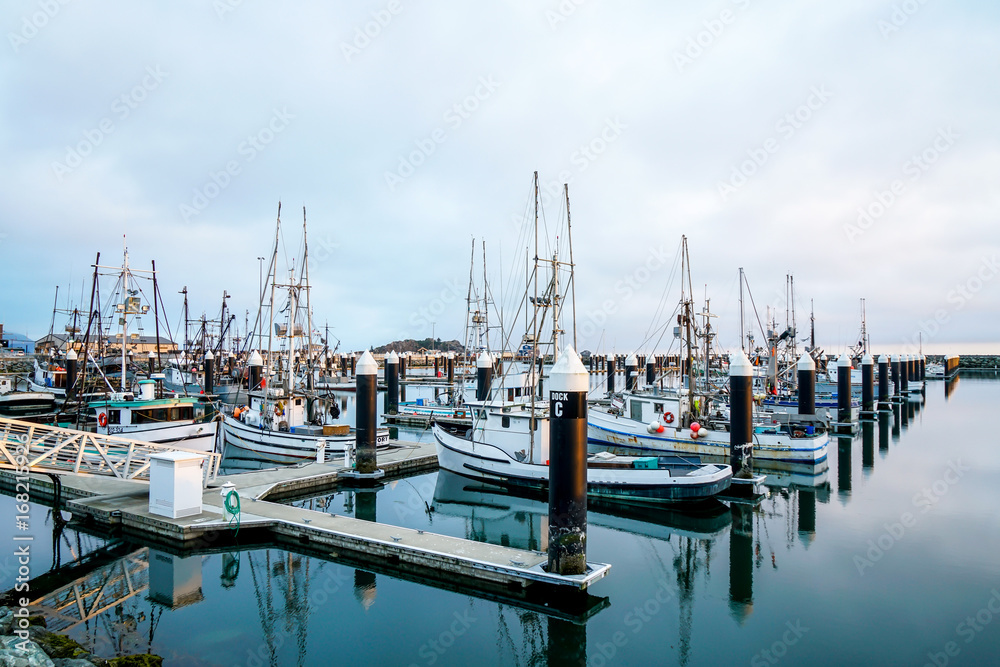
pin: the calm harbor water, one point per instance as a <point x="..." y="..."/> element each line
<point x="890" y="557"/>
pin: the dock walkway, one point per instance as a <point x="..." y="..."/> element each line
<point x="124" y="503"/>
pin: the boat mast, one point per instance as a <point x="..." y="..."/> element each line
<point x="187" y="341"/>
<point x="468" y="307"/>
<point x="534" y="328"/>
<point x="52" y="326"/>
<point x="305" y="268"/>
<point x="486" y="302"/>
<point x="156" y="317"/>
<point x="742" y="314"/>
<point x="572" y="266"/>
<point x="272" y="274"/>
<point x="124" y="310"/>
<point x="687" y="319"/>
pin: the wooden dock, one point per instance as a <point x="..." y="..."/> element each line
<point x="114" y="504"/>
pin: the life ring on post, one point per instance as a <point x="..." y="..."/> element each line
<point x="668" y="417"/>
<point x="102" y="419"/>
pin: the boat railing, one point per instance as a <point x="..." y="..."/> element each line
<point x="37" y="447"/>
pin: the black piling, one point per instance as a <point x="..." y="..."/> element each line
<point x="451" y="367"/>
<point x="631" y="365"/>
<point x="209" y="372"/>
<point x="844" y="391"/>
<point x="895" y="377"/>
<point x="904" y="375"/>
<point x="392" y="366"/>
<point x="71" y="360"/>
<point x="807" y="385"/>
<point x="610" y="363"/>
<point x="255" y="370"/>
<point x="740" y="412"/>
<point x="366" y="416"/>
<point x="484" y="376"/>
<point x="867" y="386"/>
<point x="568" y="465"/>
<point x="650" y="373"/>
<point x="883" y="382"/>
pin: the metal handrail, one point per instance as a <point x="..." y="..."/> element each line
<point x="52" y="448"/>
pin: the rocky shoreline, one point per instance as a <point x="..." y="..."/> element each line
<point x="36" y="646"/>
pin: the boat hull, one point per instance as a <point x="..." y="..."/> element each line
<point x="620" y="485"/>
<point x="282" y="448"/>
<point x="605" y="429"/>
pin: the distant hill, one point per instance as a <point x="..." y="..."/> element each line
<point x="410" y="345"/>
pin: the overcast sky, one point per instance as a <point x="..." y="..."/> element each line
<point x="761" y="130"/>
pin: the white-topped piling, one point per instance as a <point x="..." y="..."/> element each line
<point x="569" y="384"/>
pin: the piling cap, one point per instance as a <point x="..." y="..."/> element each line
<point x="844" y="361"/>
<point x="366" y="365"/>
<point x="484" y="360"/>
<point x="867" y="360"/>
<point x="451" y="355"/>
<point x="255" y="359"/>
<point x="569" y="373"/>
<point x="151" y="354"/>
<point x="71" y="355"/>
<point x="209" y="356"/>
<point x="631" y="360"/>
<point x="392" y="357"/>
<point x="806" y="363"/>
<point x="739" y="365"/>
<point x="884" y="359"/>
<point x="895" y="358"/>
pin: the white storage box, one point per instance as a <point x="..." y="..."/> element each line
<point x="175" y="484"/>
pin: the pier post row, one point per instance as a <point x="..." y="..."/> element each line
<point x="631" y="365"/>
<point x="807" y="385"/>
<point x="392" y="366"/>
<point x="894" y="363"/>
<point x="867" y="386"/>
<point x="844" y="391"/>
<point x="70" y="373"/>
<point x="209" y="372"/>
<point x="255" y="370"/>
<point x="366" y="417"/>
<point x="568" y="465"/>
<point x="484" y="375"/>
<point x="451" y="367"/>
<point x="610" y="363"/>
<point x="741" y="410"/>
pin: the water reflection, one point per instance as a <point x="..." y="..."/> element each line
<point x="844" y="445"/>
<point x="741" y="561"/>
<point x="883" y="432"/>
<point x="950" y="386"/>
<point x="867" y="445"/>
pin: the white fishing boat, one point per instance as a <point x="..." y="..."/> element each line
<point x="508" y="443"/>
<point x="281" y="423"/>
<point x="660" y="423"/>
<point x="14" y="403"/>
<point x="185" y="421"/>
<point x="692" y="418"/>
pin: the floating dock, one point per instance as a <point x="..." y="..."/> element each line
<point x="107" y="503"/>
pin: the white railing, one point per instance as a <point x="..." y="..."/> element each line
<point x="50" y="448"/>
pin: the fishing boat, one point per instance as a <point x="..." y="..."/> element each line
<point x="282" y="423"/>
<point x="16" y="404"/>
<point x="508" y="443"/>
<point x="184" y="421"/>
<point x="691" y="418"/>
<point x="148" y="415"/>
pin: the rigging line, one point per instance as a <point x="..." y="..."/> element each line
<point x="754" y="306"/>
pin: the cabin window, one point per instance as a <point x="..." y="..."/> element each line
<point x="480" y="414"/>
<point x="510" y="394"/>
<point x="298" y="401"/>
<point x="636" y="410"/>
<point x="657" y="408"/>
<point x="114" y="416"/>
<point x="505" y="421"/>
<point x="517" y="392"/>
